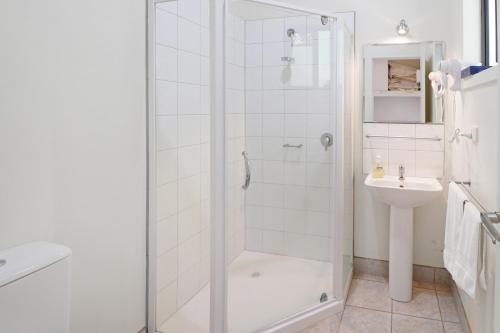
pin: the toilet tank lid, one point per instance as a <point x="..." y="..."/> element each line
<point x="20" y="261"/>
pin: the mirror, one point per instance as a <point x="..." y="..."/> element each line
<point x="396" y="84"/>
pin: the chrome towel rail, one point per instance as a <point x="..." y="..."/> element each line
<point x="287" y="145"/>
<point x="488" y="219"/>
<point x="434" y="138"/>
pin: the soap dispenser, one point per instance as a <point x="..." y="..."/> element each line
<point x="378" y="170"/>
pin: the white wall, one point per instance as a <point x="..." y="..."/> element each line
<point x="72" y="108"/>
<point x="375" y="23"/>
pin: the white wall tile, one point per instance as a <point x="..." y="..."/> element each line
<point x="189" y="253"/>
<point x="272" y="172"/>
<point x="166" y="132"/>
<point x="273" y="77"/>
<point x="317" y="125"/>
<point x="189" y="222"/>
<point x="166" y="200"/>
<point x="295" y="101"/>
<point x="189" y="191"/>
<point x="205" y="13"/>
<point x="205" y="41"/>
<point x="169" y="6"/>
<point x="273" y="218"/>
<point x="166" y="63"/>
<point x="189" y="36"/>
<point x="402" y="157"/>
<point x="318" y="174"/>
<point x="253" y="239"/>
<point x="253" y="55"/>
<point x="189" y="130"/>
<point x="429" y="164"/>
<point x="295" y="221"/>
<point x="295" y="173"/>
<point x="188" y="284"/>
<point x="166" y="235"/>
<point x="295" y="197"/>
<point x="272" y="53"/>
<point x="166" y="268"/>
<point x="272" y="148"/>
<point x="253" y="102"/>
<point x="273" y="30"/>
<point x="190" y="9"/>
<point x="166" y="28"/>
<point x="254" y="216"/>
<point x="189" y="161"/>
<point x="273" y="241"/>
<point x="189" y="98"/>
<point x="166" y="303"/>
<point x="253" y="78"/>
<point x="318" y="223"/>
<point x="189" y="67"/>
<point x="166" y="166"/>
<point x="429" y="131"/>
<point x="272" y="195"/>
<point x="253" y="31"/>
<point x="295" y="125"/>
<point x="318" y="199"/>
<point x="166" y="98"/>
<point x="318" y="101"/>
<point x="253" y="123"/>
<point x="273" y="101"/>
<point x="273" y="125"/>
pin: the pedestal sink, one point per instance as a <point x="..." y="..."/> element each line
<point x="402" y="196"/>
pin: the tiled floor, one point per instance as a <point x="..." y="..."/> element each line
<point x="369" y="309"/>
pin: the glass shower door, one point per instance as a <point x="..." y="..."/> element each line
<point x="280" y="118"/>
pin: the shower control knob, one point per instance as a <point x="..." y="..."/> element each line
<point x="326" y="140"/>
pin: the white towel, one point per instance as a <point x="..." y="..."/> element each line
<point x="454" y="213"/>
<point x="468" y="252"/>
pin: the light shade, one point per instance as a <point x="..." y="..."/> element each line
<point x="402" y="28"/>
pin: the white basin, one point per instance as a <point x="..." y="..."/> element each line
<point x="412" y="192"/>
<point x="402" y="196"/>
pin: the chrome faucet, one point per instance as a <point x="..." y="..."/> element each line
<point x="401" y="172"/>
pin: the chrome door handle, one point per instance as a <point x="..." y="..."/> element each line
<point x="248" y="172"/>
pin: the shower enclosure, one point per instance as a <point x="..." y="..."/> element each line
<point x="250" y="166"/>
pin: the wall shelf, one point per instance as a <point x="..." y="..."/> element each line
<point x="415" y="94"/>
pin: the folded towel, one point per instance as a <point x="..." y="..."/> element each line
<point x="465" y="270"/>
<point x="454" y="213"/>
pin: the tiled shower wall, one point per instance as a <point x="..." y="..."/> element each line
<point x="182" y="128"/>
<point x="421" y="157"/>
<point x="288" y="202"/>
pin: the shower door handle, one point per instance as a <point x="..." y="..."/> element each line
<point x="248" y="172"/>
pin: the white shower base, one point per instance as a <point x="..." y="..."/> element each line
<point x="285" y="286"/>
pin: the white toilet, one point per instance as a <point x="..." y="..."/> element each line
<point x="35" y="288"/>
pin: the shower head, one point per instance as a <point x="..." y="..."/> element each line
<point x="324" y="20"/>
<point x="290" y="33"/>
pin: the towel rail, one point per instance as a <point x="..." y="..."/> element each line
<point x="488" y="219"/>
<point x="434" y="138"/>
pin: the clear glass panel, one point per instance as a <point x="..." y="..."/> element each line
<point x="182" y="112"/>
<point x="279" y="103"/>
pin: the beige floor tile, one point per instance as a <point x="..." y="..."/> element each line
<point x="424" y="285"/>
<point x="330" y="325"/>
<point x="448" y="307"/>
<point x="453" y="328"/>
<point x="370" y="294"/>
<point x="443" y="287"/>
<point x="406" y="324"/>
<point x="370" y="277"/>
<point x="424" y="304"/>
<point x="357" y="320"/>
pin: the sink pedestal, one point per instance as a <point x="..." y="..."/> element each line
<point x="401" y="254"/>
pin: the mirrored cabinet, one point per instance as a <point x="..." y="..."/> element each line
<point x="396" y="84"/>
